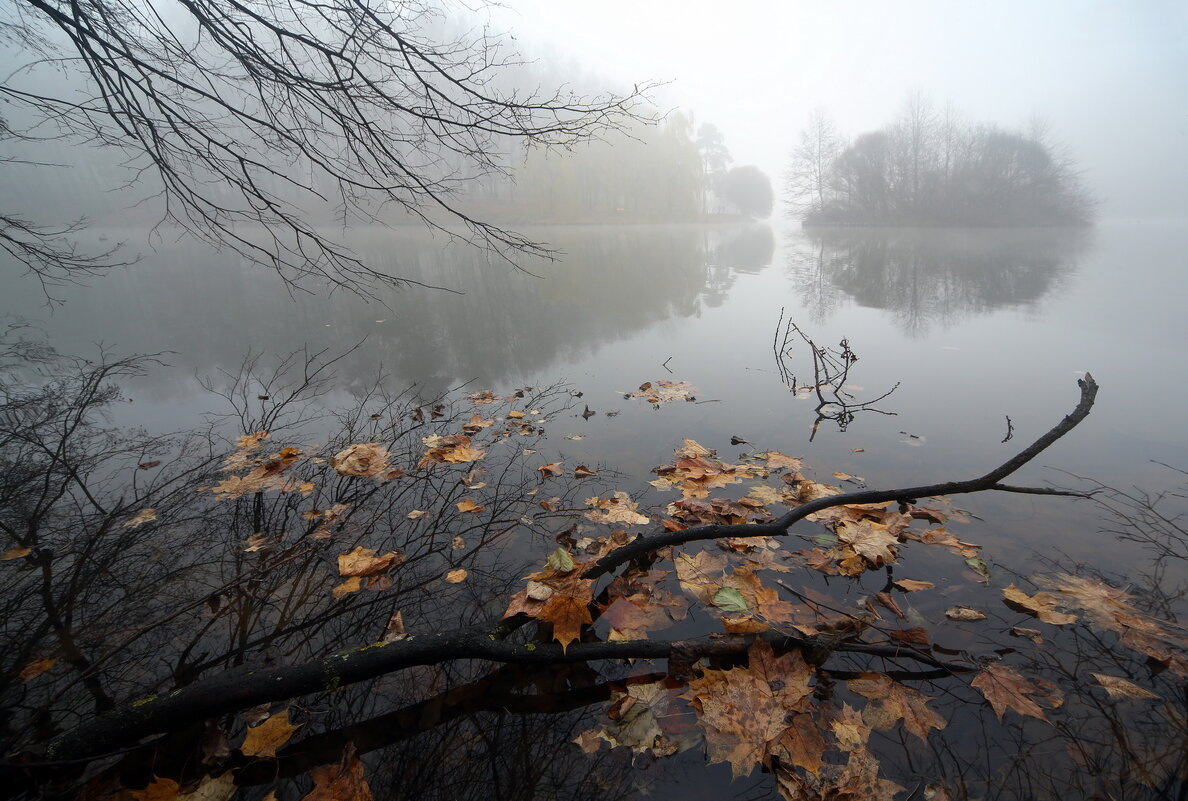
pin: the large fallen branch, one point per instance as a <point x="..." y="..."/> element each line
<point x="235" y="690"/>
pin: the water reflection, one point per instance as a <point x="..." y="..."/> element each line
<point x="105" y="613"/>
<point x="609" y="284"/>
<point x="925" y="276"/>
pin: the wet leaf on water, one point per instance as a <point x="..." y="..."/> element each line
<point x="35" y="668"/>
<point x="964" y="613"/>
<point x="264" y="739"/>
<point x="560" y="561"/>
<point x="1006" y="689"/>
<point x="457" y="576"/>
<point x="729" y="599"/>
<point x="1121" y="688"/>
<point x="142" y="517"/>
<point x="467" y="506"/>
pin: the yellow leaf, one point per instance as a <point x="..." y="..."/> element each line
<point x="353" y="584"/>
<point x="15" y="553"/>
<point x="366" y="562"/>
<point x="263" y="740"/>
<point x="1042" y="605"/>
<point x="457" y="576"/>
<point x="466" y="505"/>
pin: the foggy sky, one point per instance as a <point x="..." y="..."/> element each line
<point x="1110" y="77"/>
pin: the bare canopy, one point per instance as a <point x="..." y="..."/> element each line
<point x="252" y="117"/>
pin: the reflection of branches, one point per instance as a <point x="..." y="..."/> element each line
<point x="831" y="371"/>
<point x="247" y="113"/>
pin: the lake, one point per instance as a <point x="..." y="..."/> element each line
<point x="981" y="333"/>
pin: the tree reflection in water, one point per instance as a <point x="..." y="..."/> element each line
<point x="136" y="608"/>
<point x="928" y="275"/>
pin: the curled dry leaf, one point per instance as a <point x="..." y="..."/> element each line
<point x="1035" y="635"/>
<point x="581" y="471"/>
<point x="466" y="505"/>
<point x="550" y="470"/>
<point x="964" y="613"/>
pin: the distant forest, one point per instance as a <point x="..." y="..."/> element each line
<point x="931" y="168"/>
<point x="670" y="171"/>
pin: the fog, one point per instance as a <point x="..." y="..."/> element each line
<point x="1110" y="78"/>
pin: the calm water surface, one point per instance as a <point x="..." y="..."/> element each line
<point x="973" y="326"/>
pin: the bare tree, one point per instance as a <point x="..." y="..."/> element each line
<point x="808" y="181"/>
<point x="245" y="116"/>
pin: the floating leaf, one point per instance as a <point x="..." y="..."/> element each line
<point x="964" y="613"/>
<point x="142" y="517"/>
<point x="15" y="553"/>
<point x="416" y="514"/>
<point x="367" y="562"/>
<point x="979" y="566"/>
<point x="457" y="576"/>
<point x="1121" y="688"/>
<point x="1006" y="689"/>
<point x="263" y="740"/>
<point x="341" y="782"/>
<point x="581" y="471"/>
<point x="550" y="470"/>
<point x="367" y="459"/>
<point x="560" y="560"/>
<point x="912" y="585"/>
<point x="1042" y="605"/>
<point x="729" y="599"/>
<point x="466" y="505"/>
<point x="35" y="668"/>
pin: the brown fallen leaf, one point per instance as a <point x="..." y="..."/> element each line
<point x="457" y="576"/>
<point x="353" y="584"/>
<point x="142" y="517"/>
<point x="891" y="701"/>
<point x="15" y="553"/>
<point x="912" y="585"/>
<point x="341" y="782"/>
<point x="1041" y="605"/>
<point x="550" y="470"/>
<point x="468" y="506"/>
<point x="366" y="562"/>
<point x="416" y="514"/>
<point x="263" y="740"/>
<point x="1121" y="688"/>
<point x="35" y="668"/>
<point x="458" y="543"/>
<point x="581" y="471"/>
<point x="964" y="613"/>
<point x="148" y="465"/>
<point x="1035" y="635"/>
<point x="158" y="789"/>
<point x="367" y="459"/>
<point x="1006" y="689"/>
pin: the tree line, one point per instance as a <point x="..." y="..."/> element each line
<point x="672" y="171"/>
<point x="931" y="167"/>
